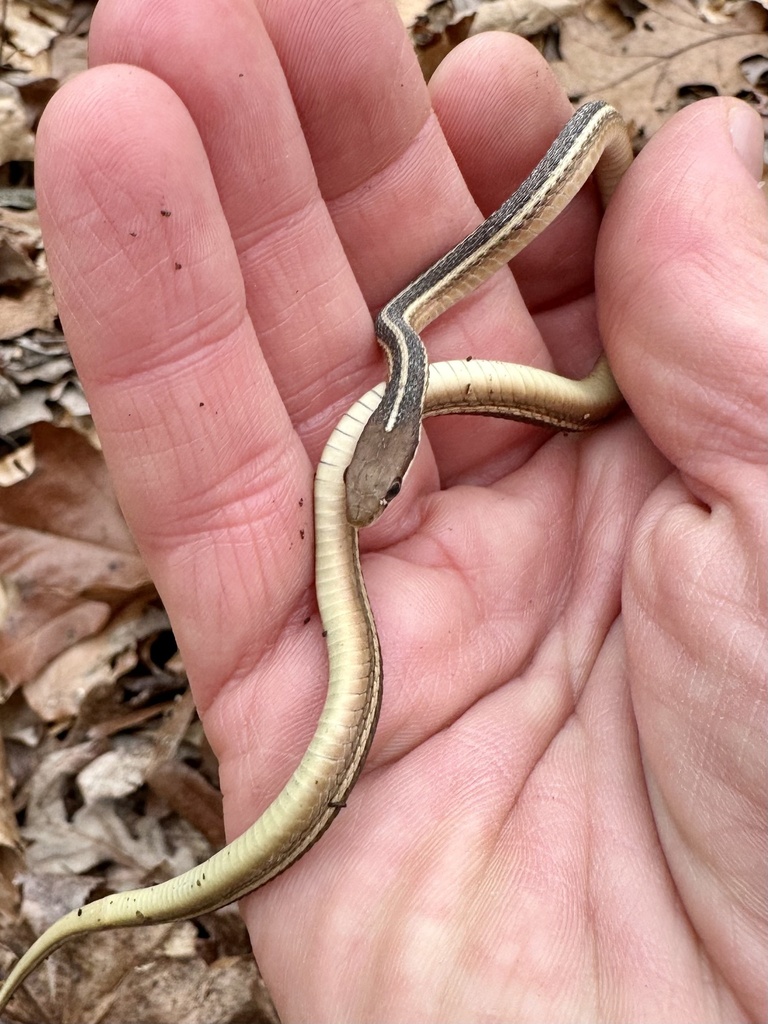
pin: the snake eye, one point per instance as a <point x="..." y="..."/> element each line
<point x="394" y="489"/>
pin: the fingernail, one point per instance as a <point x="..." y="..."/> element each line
<point x="747" y="137"/>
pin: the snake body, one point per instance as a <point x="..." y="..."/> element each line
<point x="321" y="783"/>
<point x="596" y="134"/>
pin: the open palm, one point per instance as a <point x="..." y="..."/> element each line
<point x="562" y="816"/>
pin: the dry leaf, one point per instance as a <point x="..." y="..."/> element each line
<point x="32" y="27"/>
<point x="668" y="48"/>
<point x="69" y="56"/>
<point x="15" y="266"/>
<point x="26" y="302"/>
<point x="49" y="897"/>
<point x="58" y="691"/>
<point x="65" y="546"/>
<point x="435" y="27"/>
<point x="17" y="465"/>
<point x="524" y="17"/>
<point x="153" y="974"/>
<point x="16" y="140"/>
<point x="10" y="840"/>
<point x="38" y="384"/>
<point x="33" y="307"/>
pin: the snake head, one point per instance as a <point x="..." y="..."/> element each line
<point x="377" y="470"/>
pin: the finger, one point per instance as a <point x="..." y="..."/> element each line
<point x="302" y="298"/>
<point x="400" y="205"/>
<point x="432" y="212"/>
<point x="397" y="197"/>
<point x="362" y="131"/>
<point x="500" y="107"/>
<point x="684" y="274"/>
<point x="209" y="474"/>
<point x="393" y="191"/>
<point x="401" y="200"/>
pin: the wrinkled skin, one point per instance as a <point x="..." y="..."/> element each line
<point x="563" y="814"/>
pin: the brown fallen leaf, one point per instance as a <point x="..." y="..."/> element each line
<point x="435" y="27"/>
<point x="644" y="64"/>
<point x="11" y="858"/>
<point x="65" y="547"/>
<point x="58" y="690"/>
<point x="26" y="300"/>
<point x="17" y="465"/>
<point x="188" y="793"/>
<point x="161" y="973"/>
<point x="16" y="140"/>
<point x="15" y="264"/>
<point x="30" y="307"/>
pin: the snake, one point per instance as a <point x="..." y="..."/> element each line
<point x="360" y="471"/>
<point x="595" y="134"/>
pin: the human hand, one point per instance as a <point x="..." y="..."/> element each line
<point x="562" y="816"/>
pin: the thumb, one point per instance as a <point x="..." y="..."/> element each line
<point x="682" y="275"/>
